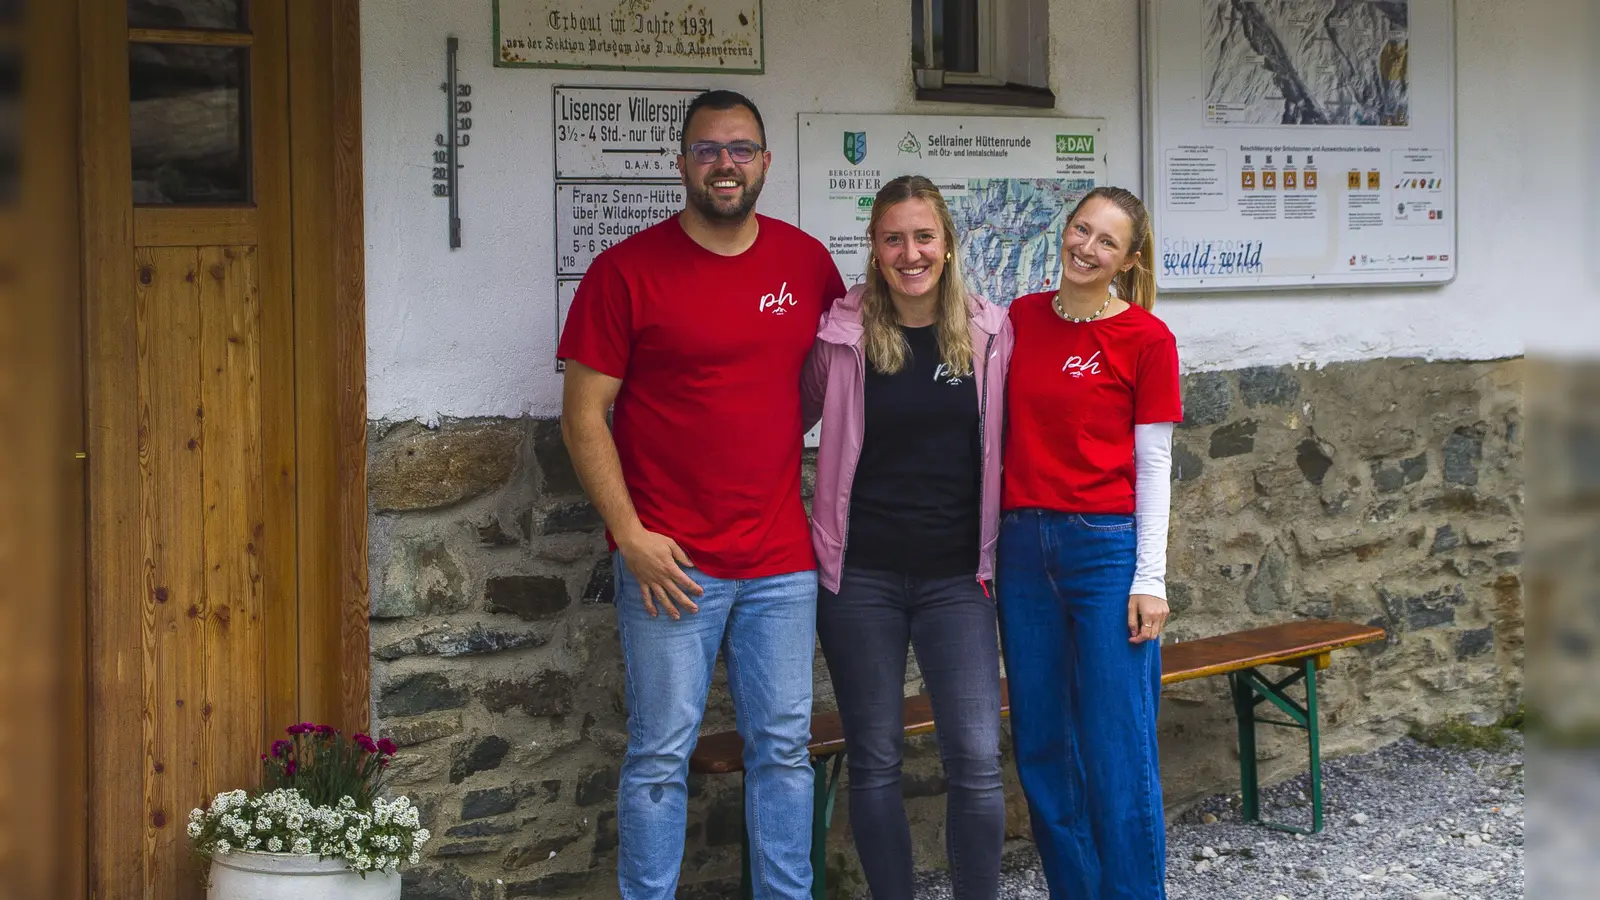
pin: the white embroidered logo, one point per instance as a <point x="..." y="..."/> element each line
<point x="775" y="303"/>
<point x="944" y="373"/>
<point x="1079" y="366"/>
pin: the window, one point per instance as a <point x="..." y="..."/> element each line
<point x="982" y="51"/>
<point x="189" y="113"/>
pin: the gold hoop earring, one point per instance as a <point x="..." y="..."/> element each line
<point x="947" y="256"/>
<point x="872" y="260"/>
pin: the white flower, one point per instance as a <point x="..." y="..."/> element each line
<point x="263" y="823"/>
<point x="301" y="846"/>
<point x="253" y="843"/>
<point x="194" y="830"/>
<point x="275" y="845"/>
<point x="294" y="822"/>
<point x="223" y="847"/>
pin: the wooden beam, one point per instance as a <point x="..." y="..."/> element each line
<point x="116" y="659"/>
<point x="350" y="376"/>
<point x="280" y="478"/>
<point x="195" y="38"/>
<point x="330" y="339"/>
<point x="191" y="226"/>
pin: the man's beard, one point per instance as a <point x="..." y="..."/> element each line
<point x="701" y="199"/>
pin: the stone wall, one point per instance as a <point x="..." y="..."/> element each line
<point x="1386" y="492"/>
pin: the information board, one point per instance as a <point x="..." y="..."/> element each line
<point x="1300" y="142"/>
<point x="616" y="173"/>
<point x="1010" y="183"/>
<point x="722" y="36"/>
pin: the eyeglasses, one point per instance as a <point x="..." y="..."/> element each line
<point x="707" y="152"/>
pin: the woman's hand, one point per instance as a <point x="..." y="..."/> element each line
<point x="1147" y="616"/>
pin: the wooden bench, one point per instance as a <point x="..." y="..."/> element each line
<point x="1303" y="647"/>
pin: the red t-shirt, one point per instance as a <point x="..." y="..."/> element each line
<point x="707" y="422"/>
<point x="1074" y="392"/>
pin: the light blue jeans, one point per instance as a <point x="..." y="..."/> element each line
<point x="765" y="628"/>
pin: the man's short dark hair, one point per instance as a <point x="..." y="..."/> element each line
<point x="719" y="100"/>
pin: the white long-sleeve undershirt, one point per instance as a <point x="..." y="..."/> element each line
<point x="1152" y="458"/>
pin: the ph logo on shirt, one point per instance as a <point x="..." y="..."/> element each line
<point x="1079" y="367"/>
<point x="944" y="373"/>
<point x="775" y="303"/>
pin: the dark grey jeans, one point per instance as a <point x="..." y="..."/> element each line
<point x="865" y="630"/>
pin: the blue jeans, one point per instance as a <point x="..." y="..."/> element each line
<point x="865" y="629"/>
<point x="764" y="628"/>
<point x="1083" y="703"/>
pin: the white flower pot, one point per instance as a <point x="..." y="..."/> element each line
<point x="246" y="875"/>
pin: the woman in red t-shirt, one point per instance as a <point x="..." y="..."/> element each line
<point x="1091" y="400"/>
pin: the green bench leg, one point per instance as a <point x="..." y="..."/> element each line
<point x="1250" y="688"/>
<point x="826" y="788"/>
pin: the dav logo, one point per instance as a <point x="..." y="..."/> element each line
<point x="855" y="146"/>
<point x="1079" y="367"/>
<point x="775" y="303"/>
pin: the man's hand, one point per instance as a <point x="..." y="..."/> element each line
<point x="656" y="562"/>
<point x="1147" y="615"/>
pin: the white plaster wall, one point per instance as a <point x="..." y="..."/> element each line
<point x="472" y="331"/>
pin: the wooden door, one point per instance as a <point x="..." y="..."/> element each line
<point x="210" y="299"/>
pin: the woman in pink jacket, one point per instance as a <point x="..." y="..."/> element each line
<point x="907" y="377"/>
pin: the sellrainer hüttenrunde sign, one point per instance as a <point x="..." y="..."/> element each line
<point x="647" y="35"/>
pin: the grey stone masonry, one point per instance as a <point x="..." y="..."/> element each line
<point x="1387" y="492"/>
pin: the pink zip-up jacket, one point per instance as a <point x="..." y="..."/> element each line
<point x="833" y="388"/>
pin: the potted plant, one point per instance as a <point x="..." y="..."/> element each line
<point x="318" y="828"/>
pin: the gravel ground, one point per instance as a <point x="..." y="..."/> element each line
<point x="1406" y="821"/>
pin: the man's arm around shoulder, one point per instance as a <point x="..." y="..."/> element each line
<point x="654" y="559"/>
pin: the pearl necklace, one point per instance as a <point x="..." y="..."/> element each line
<point x="1063" y="313"/>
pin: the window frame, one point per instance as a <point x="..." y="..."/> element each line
<point x="990" y="83"/>
<point x="991" y="49"/>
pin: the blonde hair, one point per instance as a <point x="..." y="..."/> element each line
<point x="885" y="344"/>
<point x="1138" y="284"/>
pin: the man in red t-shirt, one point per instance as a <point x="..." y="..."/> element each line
<point x="696" y="330"/>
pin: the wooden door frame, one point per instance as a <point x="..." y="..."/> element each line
<point x="329" y="665"/>
<point x="331" y="361"/>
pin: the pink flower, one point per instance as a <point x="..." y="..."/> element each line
<point x="289" y="769"/>
<point x="388" y="747"/>
<point x="365" y="743"/>
<point x="280" y="747"/>
<point x="325" y="729"/>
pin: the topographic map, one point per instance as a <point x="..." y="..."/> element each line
<point x="1307" y="62"/>
<point x="1011" y="232"/>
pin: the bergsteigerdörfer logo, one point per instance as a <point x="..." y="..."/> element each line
<point x="855" y="146"/>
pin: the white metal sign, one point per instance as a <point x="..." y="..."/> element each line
<point x="1010" y="183"/>
<point x="616" y="173"/>
<point x="1300" y="142"/>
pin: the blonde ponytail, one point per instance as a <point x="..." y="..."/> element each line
<point x="1138" y="284"/>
